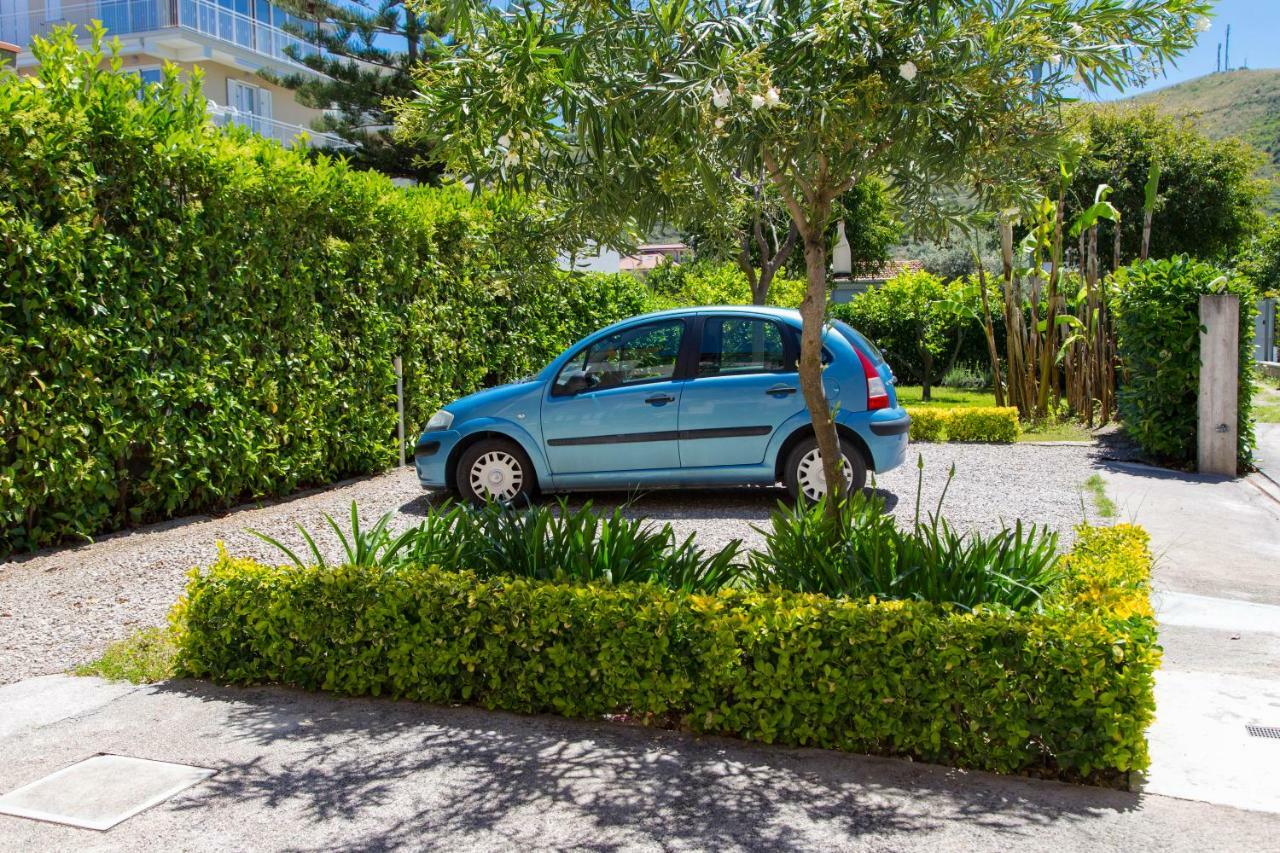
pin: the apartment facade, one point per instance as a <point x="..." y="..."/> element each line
<point x="230" y="40"/>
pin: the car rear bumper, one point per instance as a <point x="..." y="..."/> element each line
<point x="885" y="432"/>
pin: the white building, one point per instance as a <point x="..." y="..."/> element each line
<point x="230" y="40"/>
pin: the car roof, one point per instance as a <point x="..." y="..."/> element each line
<point x="789" y="314"/>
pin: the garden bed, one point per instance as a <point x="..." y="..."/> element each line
<point x="1063" y="691"/>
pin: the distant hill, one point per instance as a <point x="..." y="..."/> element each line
<point x="1234" y="103"/>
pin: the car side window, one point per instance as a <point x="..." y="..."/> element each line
<point x="645" y="353"/>
<point x="795" y="341"/>
<point x="737" y="345"/>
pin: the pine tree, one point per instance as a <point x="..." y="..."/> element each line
<point x="368" y="48"/>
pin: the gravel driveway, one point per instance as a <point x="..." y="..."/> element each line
<point x="61" y="607"/>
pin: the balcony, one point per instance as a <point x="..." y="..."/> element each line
<point x="135" y="17"/>
<point x="286" y="134"/>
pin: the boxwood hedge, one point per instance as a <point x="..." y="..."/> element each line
<point x="998" y="424"/>
<point x="190" y="318"/>
<point x="1064" y="690"/>
<point x="1156" y="304"/>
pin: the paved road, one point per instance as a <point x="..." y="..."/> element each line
<point x="300" y="771"/>
<point x="1217" y="599"/>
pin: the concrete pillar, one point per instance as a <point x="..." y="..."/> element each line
<point x="1216" y="436"/>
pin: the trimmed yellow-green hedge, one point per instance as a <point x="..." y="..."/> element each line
<point x="998" y="424"/>
<point x="1063" y="692"/>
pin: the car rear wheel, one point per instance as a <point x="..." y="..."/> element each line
<point x="495" y="469"/>
<point x="803" y="475"/>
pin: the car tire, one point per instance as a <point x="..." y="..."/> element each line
<point x="496" y="469"/>
<point x="804" y="463"/>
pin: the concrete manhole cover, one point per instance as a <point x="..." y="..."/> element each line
<point x="101" y="791"/>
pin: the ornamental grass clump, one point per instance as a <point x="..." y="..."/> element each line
<point x="552" y="543"/>
<point x="859" y="552"/>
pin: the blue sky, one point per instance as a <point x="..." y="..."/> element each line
<point x="1255" y="38"/>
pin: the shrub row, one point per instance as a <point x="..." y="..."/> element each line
<point x="1156" y="305"/>
<point x="997" y="424"/>
<point x="892" y="677"/>
<point x="190" y="318"/>
<point x="923" y="324"/>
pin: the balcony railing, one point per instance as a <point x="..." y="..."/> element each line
<point x="286" y="134"/>
<point x="124" y="17"/>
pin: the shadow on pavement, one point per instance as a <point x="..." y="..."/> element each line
<point x="464" y="773"/>
<point x="749" y="503"/>
<point x="1155" y="472"/>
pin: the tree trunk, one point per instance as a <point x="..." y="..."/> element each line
<point x="988" y="330"/>
<point x="759" y="288"/>
<point x="1146" y="234"/>
<point x="760" y="292"/>
<point x="1115" y="247"/>
<point x="926" y="376"/>
<point x="813" y="311"/>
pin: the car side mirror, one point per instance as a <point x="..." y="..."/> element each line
<point x="575" y="383"/>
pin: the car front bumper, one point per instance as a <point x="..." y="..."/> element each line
<point x="431" y="457"/>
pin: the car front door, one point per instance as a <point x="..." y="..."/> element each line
<point x="744" y="387"/>
<point x="614" y="406"/>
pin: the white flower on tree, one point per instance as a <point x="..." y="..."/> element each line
<point x="907" y="71"/>
<point x="512" y="159"/>
<point x="720" y="98"/>
<point x="771" y="97"/>
<point x="757" y="102"/>
<point x="504" y="141"/>
<point x="1202" y="24"/>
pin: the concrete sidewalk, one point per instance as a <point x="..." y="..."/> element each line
<point x="1217" y="600"/>
<point x="300" y="771"/>
<point x="1267" y="453"/>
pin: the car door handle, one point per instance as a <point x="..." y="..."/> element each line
<point x="659" y="399"/>
<point x="780" y="390"/>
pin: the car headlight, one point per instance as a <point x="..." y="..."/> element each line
<point x="440" y="420"/>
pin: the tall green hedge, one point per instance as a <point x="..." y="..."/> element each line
<point x="1156" y="306"/>
<point x="189" y="318"/>
<point x="1066" y="690"/>
<point x="917" y="320"/>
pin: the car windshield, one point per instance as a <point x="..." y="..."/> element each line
<point x="856" y="338"/>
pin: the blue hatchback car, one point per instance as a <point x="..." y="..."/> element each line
<point x="690" y="397"/>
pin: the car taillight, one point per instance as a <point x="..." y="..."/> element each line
<point x="877" y="394"/>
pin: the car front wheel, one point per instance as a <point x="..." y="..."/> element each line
<point x="495" y="469"/>
<point x="803" y="475"/>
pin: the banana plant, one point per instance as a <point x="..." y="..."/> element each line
<point x="1151" y="193"/>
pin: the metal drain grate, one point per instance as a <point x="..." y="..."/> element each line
<point x="1263" y="731"/>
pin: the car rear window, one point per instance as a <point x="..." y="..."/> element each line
<point x="856" y="338"/>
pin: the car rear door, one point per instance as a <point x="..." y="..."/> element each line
<point x="615" y="405"/>
<point x="743" y="388"/>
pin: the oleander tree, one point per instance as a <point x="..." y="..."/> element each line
<point x="612" y="108"/>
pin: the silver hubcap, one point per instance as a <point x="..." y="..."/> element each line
<point x="812" y="481"/>
<point x="496" y="474"/>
